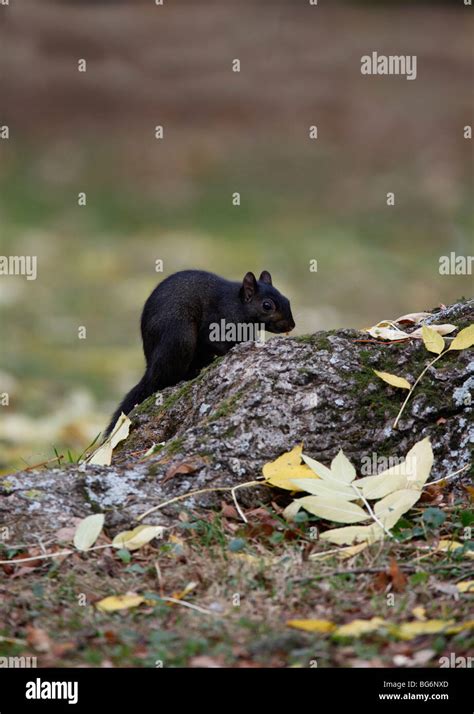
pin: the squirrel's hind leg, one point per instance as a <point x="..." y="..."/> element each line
<point x="168" y="364"/>
<point x="135" y="396"/>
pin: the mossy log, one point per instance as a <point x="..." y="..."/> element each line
<point x="248" y="408"/>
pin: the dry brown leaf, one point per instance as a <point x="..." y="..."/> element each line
<point x="413" y="317"/>
<point x="399" y="579"/>
<point x="183" y="467"/>
<point x="380" y="582"/>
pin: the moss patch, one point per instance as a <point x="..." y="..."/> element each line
<point x="227" y="406"/>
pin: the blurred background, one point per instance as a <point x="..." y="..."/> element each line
<point x="170" y="199"/>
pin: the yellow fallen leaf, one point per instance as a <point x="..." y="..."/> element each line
<point x="291" y="510"/>
<point x="440" y="329"/>
<point x="256" y="560"/>
<point x="380" y="485"/>
<point x="404" y="631"/>
<point x="341" y="553"/>
<point x="330" y="489"/>
<point x="419" y="462"/>
<point x="464" y="339"/>
<point x="351" y="550"/>
<point x="333" y="509"/>
<point x="103" y="455"/>
<point x="88" y="531"/>
<point x="342" y="469"/>
<point x="393" y="379"/>
<point x="322" y="626"/>
<point x="285" y="468"/>
<point x="419" y="612"/>
<point x="446" y="545"/>
<point x="318" y="469"/>
<point x="432" y="340"/>
<point x="411" y="473"/>
<point x="354" y="534"/>
<point x="410" y="630"/>
<point x="382" y="323"/>
<point x="356" y="628"/>
<point x="245" y="557"/>
<point x="133" y="540"/>
<point x="182" y="593"/>
<point x="466" y="586"/>
<point x="390" y="509"/>
<point x="324" y="555"/>
<point x="119" y="602"/>
<point x="387" y="333"/>
<point x="450" y="546"/>
<point x="461" y="627"/>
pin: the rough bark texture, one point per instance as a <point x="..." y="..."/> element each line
<point x="246" y="409"/>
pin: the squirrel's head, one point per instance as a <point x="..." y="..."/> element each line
<point x="263" y="303"/>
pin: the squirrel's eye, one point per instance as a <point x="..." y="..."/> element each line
<point x="267" y="305"/>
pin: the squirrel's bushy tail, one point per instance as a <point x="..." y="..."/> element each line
<point x="136" y="395"/>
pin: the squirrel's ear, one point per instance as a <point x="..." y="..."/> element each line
<point x="249" y="287"/>
<point x="265" y="277"/>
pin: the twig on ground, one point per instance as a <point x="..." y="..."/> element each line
<point x="184" y="496"/>
<point x="238" y="509"/>
<point x="12" y="640"/>
<point x="190" y="605"/>
<point x="446" y="478"/>
<point x="402" y="408"/>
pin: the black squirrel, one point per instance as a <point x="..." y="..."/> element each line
<point x="180" y="315"/>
